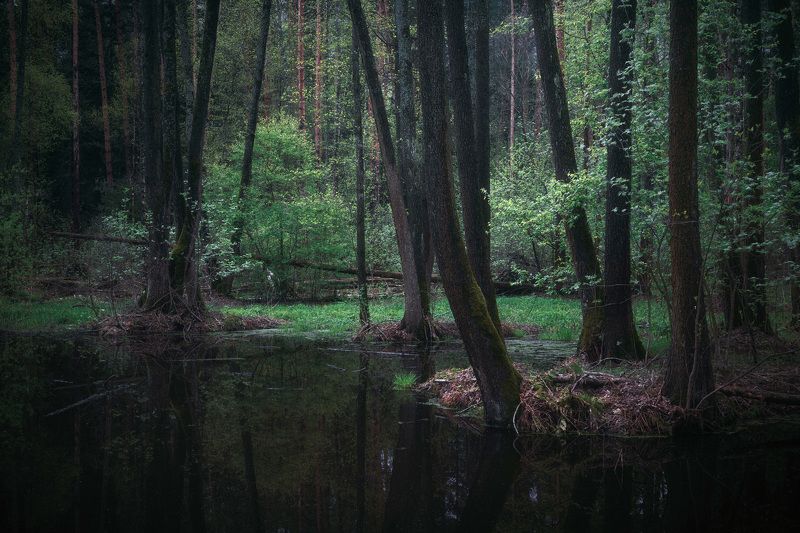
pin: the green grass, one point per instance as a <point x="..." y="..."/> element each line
<point x="50" y="315"/>
<point x="404" y="381"/>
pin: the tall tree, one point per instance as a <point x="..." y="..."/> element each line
<point x="512" y="97"/>
<point x="499" y="382"/>
<point x="689" y="376"/>
<point x="407" y="164"/>
<point x="301" y="65"/>
<point x="12" y="58"/>
<point x="787" y="115"/>
<point x="122" y="74"/>
<point x="619" y="332"/>
<point x="101" y="61"/>
<point x="252" y="120"/>
<point x="474" y="198"/>
<point x="358" y="129"/>
<point x="414" y="320"/>
<point x="18" y="45"/>
<point x="579" y="237"/>
<point x="318" y="84"/>
<point x="76" y="123"/>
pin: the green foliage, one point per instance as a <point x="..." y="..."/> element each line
<point x="51" y="315"/>
<point x="404" y="380"/>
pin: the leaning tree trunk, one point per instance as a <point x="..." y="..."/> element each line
<point x="619" y="332"/>
<point x="101" y="61"/>
<point x="17" y="60"/>
<point x="787" y="115"/>
<point x="185" y="252"/>
<point x="358" y="127"/>
<point x="407" y="165"/>
<point x="579" y="236"/>
<point x="689" y="377"/>
<point x="413" y="317"/>
<point x="76" y="124"/>
<point x="474" y="198"/>
<point x="499" y="382"/>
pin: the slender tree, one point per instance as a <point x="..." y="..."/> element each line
<point x="474" y="198"/>
<point x="579" y="237"/>
<point x="512" y="97"/>
<point x="499" y="382"/>
<point x="122" y="74"/>
<point x="358" y="129"/>
<point x="18" y="44"/>
<point x="619" y="332"/>
<point x="689" y="376"/>
<point x="101" y="61"/>
<point x="301" y="65"/>
<point x="12" y="58"/>
<point x="787" y="115"/>
<point x="318" y="84"/>
<point x="76" y="123"/>
<point x="413" y="318"/>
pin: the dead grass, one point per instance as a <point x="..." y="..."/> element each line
<point x="157" y="322"/>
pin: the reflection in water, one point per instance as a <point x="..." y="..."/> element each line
<point x="280" y="435"/>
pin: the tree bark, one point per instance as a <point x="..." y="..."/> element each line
<point x="172" y="115"/>
<point x="358" y="128"/>
<point x="187" y="64"/>
<point x="689" y="376"/>
<point x="101" y="61"/>
<point x="619" y="332"/>
<point x="12" y="60"/>
<point x="122" y="73"/>
<point x="579" y="237"/>
<point x="474" y="199"/>
<point x="407" y="164"/>
<point x="318" y="85"/>
<point x="512" y="100"/>
<point x="17" y="60"/>
<point x="499" y="382"/>
<point x="252" y="122"/>
<point x="301" y="66"/>
<point x="76" y="123"/>
<point x="787" y="115"/>
<point x="413" y="317"/>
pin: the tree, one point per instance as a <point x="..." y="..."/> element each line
<point x="76" y="123"/>
<point x="471" y="161"/>
<point x="787" y="116"/>
<point x="512" y="97"/>
<point x="619" y="332"/>
<point x="101" y="61"/>
<point x="413" y="318"/>
<point x="17" y="60"/>
<point x="122" y="74"/>
<point x="361" y="247"/>
<point x="689" y="376"/>
<point x="318" y="84"/>
<point x="301" y="65"/>
<point x="499" y="382"/>
<point x="579" y="237"/>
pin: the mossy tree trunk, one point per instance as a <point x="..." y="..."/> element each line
<point x="579" y="236"/>
<point x="499" y="382"/>
<point x="689" y="376"/>
<point x="620" y="339"/>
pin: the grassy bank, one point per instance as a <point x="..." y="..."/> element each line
<point x="50" y="315"/>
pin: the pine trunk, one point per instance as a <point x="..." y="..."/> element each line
<point x="301" y="66"/>
<point x="619" y="332"/>
<point x="358" y="127"/>
<point x="101" y="61"/>
<point x="512" y="99"/>
<point x="17" y="61"/>
<point x="318" y="85"/>
<point x="76" y="123"/>
<point x="122" y="73"/>
<point x="579" y="237"/>
<point x="689" y="377"/>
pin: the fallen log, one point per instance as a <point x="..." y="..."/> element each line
<point x="763" y="396"/>
<point x="104" y="238"/>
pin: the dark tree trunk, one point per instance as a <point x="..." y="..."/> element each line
<point x="252" y="121"/>
<point x="407" y="164"/>
<point x="358" y="127"/>
<point x="512" y="96"/>
<point x="579" y="237"/>
<point x="499" y="382"/>
<point x="318" y="84"/>
<point x="12" y="60"/>
<point x="187" y="65"/>
<point x="619" y="332"/>
<point x="158" y="295"/>
<point x="474" y="199"/>
<point x="413" y="317"/>
<point x="101" y="61"/>
<point x="185" y="252"/>
<point x="172" y="114"/>
<point x="17" y="60"/>
<point x="122" y="73"/>
<point x="76" y="124"/>
<point x="689" y="377"/>
<point x="787" y="115"/>
<point x="301" y="66"/>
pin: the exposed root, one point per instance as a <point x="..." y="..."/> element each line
<point x="157" y="322"/>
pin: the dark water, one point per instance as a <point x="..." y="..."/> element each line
<point x="258" y="434"/>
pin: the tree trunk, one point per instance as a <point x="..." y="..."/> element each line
<point x="413" y="318"/>
<point x="76" y="123"/>
<point x="619" y="333"/>
<point x="301" y="66"/>
<point x="471" y="161"/>
<point x="101" y="61"/>
<point x="122" y="73"/>
<point x="361" y="247"/>
<point x="499" y="382"/>
<point x="252" y="122"/>
<point x="172" y="114"/>
<point x="689" y="377"/>
<point x="407" y="164"/>
<point x="17" y="61"/>
<point x="787" y="114"/>
<point x="187" y="64"/>
<point x="318" y="85"/>
<point x="512" y="100"/>
<point x="12" y="60"/>
<point x="185" y="252"/>
<point x="579" y="237"/>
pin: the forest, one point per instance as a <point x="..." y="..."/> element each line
<point x="591" y="208"/>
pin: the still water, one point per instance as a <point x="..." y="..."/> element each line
<point x="266" y="433"/>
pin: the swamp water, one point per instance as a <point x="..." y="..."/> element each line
<point x="257" y="432"/>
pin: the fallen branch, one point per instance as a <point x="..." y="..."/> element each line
<point x="764" y="396"/>
<point x="105" y="238"/>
